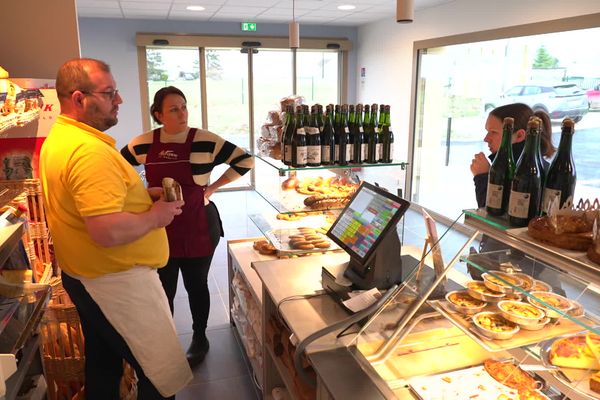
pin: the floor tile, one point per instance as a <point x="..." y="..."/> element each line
<point x="238" y="388"/>
<point x="224" y="360"/>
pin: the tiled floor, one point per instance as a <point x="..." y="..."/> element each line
<point x="223" y="375"/>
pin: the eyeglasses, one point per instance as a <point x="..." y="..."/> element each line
<point x="110" y="94"/>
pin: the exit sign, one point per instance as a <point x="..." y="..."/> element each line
<point x="249" y="26"/>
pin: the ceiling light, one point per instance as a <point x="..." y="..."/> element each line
<point x="294" y="29"/>
<point x="195" y="8"/>
<point x="405" y="11"/>
<point x="346" y="7"/>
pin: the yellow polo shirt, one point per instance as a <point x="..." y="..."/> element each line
<point x="84" y="175"/>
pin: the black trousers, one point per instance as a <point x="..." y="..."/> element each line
<point x="105" y="350"/>
<point x="195" y="276"/>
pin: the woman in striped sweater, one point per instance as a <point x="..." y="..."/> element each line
<point x="188" y="155"/>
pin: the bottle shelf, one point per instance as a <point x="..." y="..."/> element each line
<point x="283" y="169"/>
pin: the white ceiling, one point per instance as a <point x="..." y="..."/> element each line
<point x="315" y="12"/>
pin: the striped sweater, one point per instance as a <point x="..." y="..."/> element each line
<point x="208" y="151"/>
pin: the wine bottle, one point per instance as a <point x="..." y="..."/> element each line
<point x="562" y="176"/>
<point x="379" y="129"/>
<point x="387" y="138"/>
<point x="526" y="186"/>
<point x="288" y="134"/>
<point x="540" y="156"/>
<point x="501" y="172"/>
<point x="365" y="125"/>
<point x="313" y="140"/>
<point x="358" y="136"/>
<point x="373" y="137"/>
<point x="299" y="141"/>
<point x="337" y="126"/>
<point x="328" y="139"/>
<point x="320" y="122"/>
<point x="344" y="138"/>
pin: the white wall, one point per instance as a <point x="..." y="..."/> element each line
<point x="113" y="41"/>
<point x="385" y="47"/>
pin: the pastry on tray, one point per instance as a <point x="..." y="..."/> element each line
<point x="573" y="352"/>
<point x="510" y="375"/>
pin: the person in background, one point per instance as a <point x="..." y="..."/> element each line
<point x="480" y="165"/>
<point x="109" y="238"/>
<point x="188" y="155"/>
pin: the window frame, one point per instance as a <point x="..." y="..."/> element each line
<point x="535" y="28"/>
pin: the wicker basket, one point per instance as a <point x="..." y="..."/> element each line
<point x="63" y="351"/>
<point x="36" y="237"/>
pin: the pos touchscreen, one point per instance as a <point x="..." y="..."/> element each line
<point x="365" y="229"/>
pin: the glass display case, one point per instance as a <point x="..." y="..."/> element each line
<point x="521" y="321"/>
<point x="311" y="197"/>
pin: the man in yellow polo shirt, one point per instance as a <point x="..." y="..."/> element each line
<point x="109" y="238"/>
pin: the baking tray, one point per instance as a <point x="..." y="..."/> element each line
<point x="576" y="379"/>
<point x="279" y="238"/>
<point x="522" y="338"/>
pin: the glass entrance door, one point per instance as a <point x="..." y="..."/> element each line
<point x="231" y="90"/>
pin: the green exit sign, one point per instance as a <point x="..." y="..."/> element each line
<point x="249" y="26"/>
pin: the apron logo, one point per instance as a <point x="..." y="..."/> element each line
<point x="168" y="154"/>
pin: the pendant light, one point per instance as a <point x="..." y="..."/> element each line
<point x="405" y="12"/>
<point x="294" y="29"/>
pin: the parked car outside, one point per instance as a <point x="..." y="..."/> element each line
<point x="559" y="100"/>
<point x="593" y="96"/>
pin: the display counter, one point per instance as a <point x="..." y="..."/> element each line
<point x="421" y="341"/>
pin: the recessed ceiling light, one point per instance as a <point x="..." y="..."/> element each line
<point x="346" y="7"/>
<point x="195" y="8"/>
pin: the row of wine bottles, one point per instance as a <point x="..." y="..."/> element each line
<point x="344" y="134"/>
<point x="525" y="190"/>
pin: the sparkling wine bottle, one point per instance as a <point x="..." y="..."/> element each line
<point x="562" y="176"/>
<point x="527" y="183"/>
<point x="501" y="172"/>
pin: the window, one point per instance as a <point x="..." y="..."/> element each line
<point x="459" y="84"/>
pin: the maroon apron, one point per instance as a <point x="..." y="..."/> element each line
<point x="188" y="233"/>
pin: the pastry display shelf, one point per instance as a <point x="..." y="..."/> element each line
<point x="282" y="168"/>
<point x="273" y="178"/>
<point x="575" y="263"/>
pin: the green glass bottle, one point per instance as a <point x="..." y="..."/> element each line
<point x="373" y="137"/>
<point x="328" y="139"/>
<point x="344" y="145"/>
<point x="562" y="176"/>
<point x="313" y="140"/>
<point x="501" y="172"/>
<point x="320" y="122"/>
<point x="526" y="187"/>
<point x="337" y="126"/>
<point x="288" y="134"/>
<point x="387" y="138"/>
<point x="299" y="141"/>
<point x="380" y="125"/>
<point x="358" y="136"/>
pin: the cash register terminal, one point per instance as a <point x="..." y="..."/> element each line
<point x="366" y="230"/>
